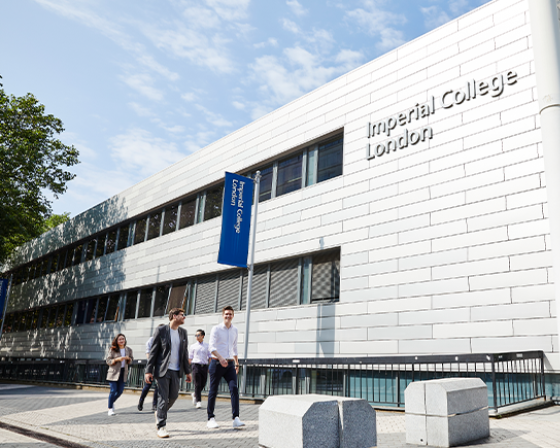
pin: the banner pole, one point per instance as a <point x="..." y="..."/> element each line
<point x="250" y="267"/>
<point x="6" y="306"/>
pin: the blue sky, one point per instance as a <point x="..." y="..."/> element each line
<point x="141" y="84"/>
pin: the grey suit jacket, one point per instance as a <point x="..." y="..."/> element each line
<point x="160" y="353"/>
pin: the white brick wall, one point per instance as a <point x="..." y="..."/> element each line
<point x="444" y="245"/>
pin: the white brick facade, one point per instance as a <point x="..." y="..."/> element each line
<point x="444" y="244"/>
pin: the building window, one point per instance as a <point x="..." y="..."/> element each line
<point x="325" y="277"/>
<point x="160" y="300"/>
<point x="229" y="284"/>
<point x="154" y="225"/>
<point x="329" y="162"/>
<point x="112" y="314"/>
<point x="213" y="203"/>
<point x="123" y="237"/>
<point x="284" y="285"/>
<point x="265" y="189"/>
<point x="205" y="294"/>
<point x="289" y="175"/>
<point x="177" y="296"/>
<point x="140" y="231"/>
<point x="69" y="313"/>
<point x="101" y="309"/>
<point x="100" y="245"/>
<point x="170" y="219"/>
<point x="111" y="242"/>
<point x="188" y="213"/>
<point x="145" y="304"/>
<point x="130" y="307"/>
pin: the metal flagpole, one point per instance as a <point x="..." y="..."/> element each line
<point x="6" y="305"/>
<point x="250" y="267"/>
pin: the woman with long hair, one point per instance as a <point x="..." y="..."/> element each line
<point x="118" y="359"/>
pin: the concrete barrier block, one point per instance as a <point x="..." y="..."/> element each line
<point x="358" y="428"/>
<point x="455" y="396"/>
<point x="299" y="421"/>
<point x="316" y="421"/>
<point x="457" y="429"/>
<point x="446" y="412"/>
<point x="416" y="429"/>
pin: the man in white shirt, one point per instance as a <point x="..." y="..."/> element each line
<point x="199" y="356"/>
<point x="224" y="364"/>
<point x="168" y="361"/>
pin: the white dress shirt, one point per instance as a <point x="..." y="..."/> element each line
<point x="149" y="343"/>
<point x="199" y="353"/>
<point x="224" y="340"/>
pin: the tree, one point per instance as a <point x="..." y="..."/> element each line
<point x="32" y="161"/>
<point x="54" y="220"/>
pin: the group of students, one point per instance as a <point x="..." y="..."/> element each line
<point x="170" y="358"/>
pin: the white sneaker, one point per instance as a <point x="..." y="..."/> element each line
<point x="193" y="399"/>
<point x="237" y="423"/>
<point x="198" y="405"/>
<point x="212" y="423"/>
<point x="162" y="433"/>
<point x="111" y="412"/>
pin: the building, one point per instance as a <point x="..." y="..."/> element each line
<point x="403" y="210"/>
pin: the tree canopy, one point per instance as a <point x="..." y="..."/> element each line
<point x="32" y="161"/>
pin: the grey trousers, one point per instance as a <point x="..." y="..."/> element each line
<point x="168" y="388"/>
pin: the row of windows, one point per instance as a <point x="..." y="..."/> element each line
<point x="316" y="163"/>
<point x="295" y="281"/>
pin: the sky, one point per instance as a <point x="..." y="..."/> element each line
<point x="141" y="84"/>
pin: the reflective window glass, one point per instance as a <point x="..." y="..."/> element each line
<point x="62" y="262"/>
<point x="60" y="315"/>
<point x="170" y="219"/>
<point x="160" y="301"/>
<point x="77" y="257"/>
<point x="154" y="225"/>
<point x="101" y="309"/>
<point x="145" y="304"/>
<point x="44" y="318"/>
<point x="111" y="241"/>
<point x="81" y="314"/>
<point x="213" y="203"/>
<point x="265" y="191"/>
<point x="289" y="175"/>
<point x="91" y="311"/>
<point x="123" y="237"/>
<point x="90" y="249"/>
<point x="130" y="307"/>
<point x="112" y="313"/>
<point x="8" y="323"/>
<point x="34" y="319"/>
<point x="177" y="297"/>
<point x="15" y="323"/>
<point x="330" y="160"/>
<point x="52" y="317"/>
<point x="325" y="277"/>
<point x="54" y="262"/>
<point x="140" y="231"/>
<point x="68" y="315"/>
<point x="188" y="213"/>
<point x="100" y="245"/>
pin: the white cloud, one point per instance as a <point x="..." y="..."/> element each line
<point x="213" y="118"/>
<point x="142" y="84"/>
<point x="188" y="97"/>
<point x="140" y="152"/>
<point x="290" y="26"/>
<point x="110" y="29"/>
<point x="434" y="17"/>
<point x="270" y="41"/>
<point x="459" y="7"/>
<point x="201" y="17"/>
<point x="230" y="9"/>
<point x="296" y="7"/>
<point x="238" y="105"/>
<point x="379" y="23"/>
<point x="140" y="110"/>
<point x="195" y="46"/>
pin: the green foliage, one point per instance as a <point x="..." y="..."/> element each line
<point x="31" y="162"/>
<point x="54" y="220"/>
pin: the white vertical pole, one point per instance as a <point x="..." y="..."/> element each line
<point x="250" y="267"/>
<point x="545" y="29"/>
<point x="6" y="305"/>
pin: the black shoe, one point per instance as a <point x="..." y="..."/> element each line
<point x="140" y="406"/>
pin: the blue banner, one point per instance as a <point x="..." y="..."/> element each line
<point x="3" y="292"/>
<point x="236" y="220"/>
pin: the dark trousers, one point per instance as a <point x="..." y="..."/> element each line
<point x="168" y="391"/>
<point x="217" y="372"/>
<point x="145" y="391"/>
<point x="200" y="375"/>
<point x="117" y="388"/>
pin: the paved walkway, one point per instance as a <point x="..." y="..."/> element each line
<point x="80" y="417"/>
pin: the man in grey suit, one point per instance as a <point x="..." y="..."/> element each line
<point x="168" y="361"/>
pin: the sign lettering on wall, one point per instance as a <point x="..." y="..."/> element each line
<point x="398" y="135"/>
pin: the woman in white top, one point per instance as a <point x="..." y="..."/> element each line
<point x="118" y="359"/>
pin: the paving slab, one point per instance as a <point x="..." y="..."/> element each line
<point x="80" y="417"/>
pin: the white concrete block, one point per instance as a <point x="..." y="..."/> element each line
<point x="493" y="265"/>
<point x="471" y="239"/>
<point x="505" y="217"/>
<point x="518" y="278"/>
<point x="473" y="329"/>
<point x="513" y="247"/>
